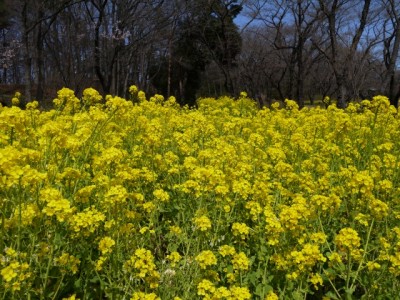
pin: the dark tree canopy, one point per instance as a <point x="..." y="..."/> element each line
<point x="205" y="33"/>
<point x="304" y="50"/>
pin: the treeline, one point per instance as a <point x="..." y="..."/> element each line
<point x="273" y="49"/>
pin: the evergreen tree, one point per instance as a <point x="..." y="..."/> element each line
<point x="205" y="33"/>
<point x="4" y="15"/>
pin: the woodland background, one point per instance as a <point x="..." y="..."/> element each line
<point x="273" y="49"/>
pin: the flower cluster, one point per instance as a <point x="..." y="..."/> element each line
<point x="103" y="197"/>
<point x="142" y="263"/>
<point x="14" y="271"/>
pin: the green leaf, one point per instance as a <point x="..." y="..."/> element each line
<point x="349" y="292"/>
<point x="78" y="283"/>
<point x="331" y="295"/>
<point x="297" y="295"/>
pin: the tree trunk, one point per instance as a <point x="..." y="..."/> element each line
<point x="39" y="60"/>
<point x="390" y="62"/>
<point x="97" y="52"/>
<point x="343" y="92"/>
<point x="395" y="101"/>
<point x="27" y="58"/>
<point x="300" y="74"/>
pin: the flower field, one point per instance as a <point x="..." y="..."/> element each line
<point x="142" y="199"/>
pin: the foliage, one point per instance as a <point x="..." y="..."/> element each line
<point x="143" y="199"/>
<point x="205" y="34"/>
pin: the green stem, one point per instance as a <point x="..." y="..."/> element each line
<point x="2" y="231"/>
<point x="12" y="136"/>
<point x="323" y="231"/>
<point x="364" y="254"/>
<point x="334" y="288"/>
<point x="4" y="294"/>
<point x="58" y="287"/>
<point x="47" y="272"/>
<point x="95" y="133"/>
<point x="348" y="270"/>
<point x="19" y="217"/>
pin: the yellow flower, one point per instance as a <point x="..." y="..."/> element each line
<point x="227" y="208"/>
<point x="271" y="296"/>
<point x="255" y="209"/>
<point x="106" y="244"/>
<point x="239" y="293"/>
<point x="72" y="297"/>
<point x="133" y="90"/>
<point x="240" y="229"/>
<point x="161" y="195"/>
<point x="100" y="262"/>
<point x="348" y="239"/>
<point x="174" y="258"/>
<point x="66" y="100"/>
<point x="86" y="221"/>
<point x="91" y="96"/>
<point x="116" y="194"/>
<point x="56" y="205"/>
<point x="335" y="257"/>
<point x="59" y="208"/>
<point x="206" y="258"/>
<point x="142" y="262"/>
<point x="205" y="288"/>
<point x="175" y="230"/>
<point x="149" y="206"/>
<point x="84" y="193"/>
<point x="362" y="219"/>
<point x="10" y="252"/>
<point x="326" y="203"/>
<point x="203" y="223"/>
<point x="222" y="293"/>
<point x="32" y="105"/>
<point x="379" y="209"/>
<point x="15" y="101"/>
<point x="273" y="226"/>
<point x="291" y="105"/>
<point x="240" y="262"/>
<point x="8" y="272"/>
<point x="144" y="296"/>
<point x="373" y="266"/>
<point x="316" y="280"/>
<point x="27" y="213"/>
<point x="318" y="237"/>
<point x="226" y="250"/>
<point x="307" y="257"/>
<point x="68" y="262"/>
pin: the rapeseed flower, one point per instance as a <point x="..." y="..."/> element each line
<point x="68" y="262"/>
<point x="241" y="230"/>
<point x="347" y="239"/>
<point x="106" y="244"/>
<point x="271" y="296"/>
<point x="226" y="250"/>
<point x="239" y="293"/>
<point x="240" y="262"/>
<point x="206" y="258"/>
<point x="144" y="296"/>
<point x="205" y="288"/>
<point x="310" y="195"/>
<point x="174" y="258"/>
<point x="203" y="223"/>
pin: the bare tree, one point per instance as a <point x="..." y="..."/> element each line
<point x="290" y="25"/>
<point x="35" y="18"/>
<point x="339" y="54"/>
<point x="391" y="47"/>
